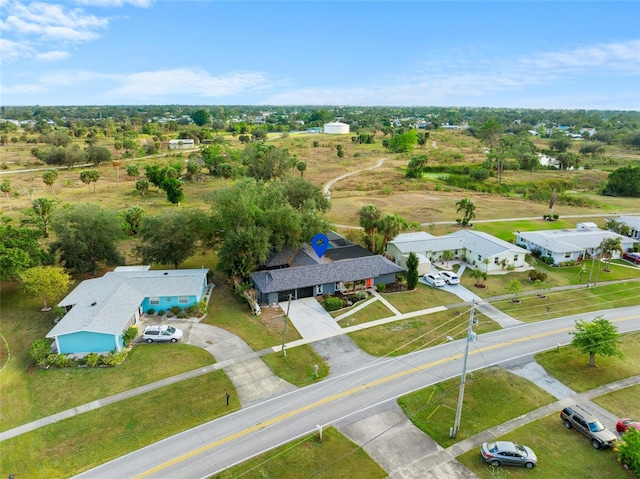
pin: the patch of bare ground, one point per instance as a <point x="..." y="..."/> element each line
<point x="272" y="318"/>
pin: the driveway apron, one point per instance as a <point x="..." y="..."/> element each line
<point x="253" y="380"/>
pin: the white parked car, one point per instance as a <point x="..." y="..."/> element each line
<point x="450" y="277"/>
<point x="434" y="279"/>
<point x="162" y="333"/>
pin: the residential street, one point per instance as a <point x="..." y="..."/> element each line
<point x="211" y="447"/>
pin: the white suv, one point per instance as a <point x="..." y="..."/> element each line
<point x="450" y="277"/>
<point x="434" y="279"/>
<point x="161" y="334"/>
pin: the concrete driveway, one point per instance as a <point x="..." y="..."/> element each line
<point x="251" y="377"/>
<point x="310" y="318"/>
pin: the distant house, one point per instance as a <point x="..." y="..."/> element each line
<point x="473" y="247"/>
<point x="344" y="267"/>
<point x="100" y="310"/>
<point x="570" y="244"/>
<point x="181" y="144"/>
<point x="632" y="222"/>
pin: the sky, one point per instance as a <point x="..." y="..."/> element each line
<point x="503" y="54"/>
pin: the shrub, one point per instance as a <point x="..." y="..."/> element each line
<point x="181" y="315"/>
<point x="130" y="334"/>
<point x="39" y="352"/>
<point x="381" y="287"/>
<point x="191" y="310"/>
<point x="176" y="309"/>
<point x="113" y="359"/>
<point x="332" y="304"/>
<point x="62" y="361"/>
<point x="537" y="275"/>
<point x="92" y="360"/>
<point x="161" y="312"/>
<point x="151" y="311"/>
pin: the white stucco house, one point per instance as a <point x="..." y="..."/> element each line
<point x="574" y="244"/>
<point x="632" y="222"/>
<point x="404" y="244"/>
<point x="473" y="247"/>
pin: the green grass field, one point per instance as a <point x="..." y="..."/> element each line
<point x="333" y="457"/>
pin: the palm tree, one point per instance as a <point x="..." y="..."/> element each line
<point x="608" y="247"/>
<point x="390" y="225"/>
<point x="468" y="208"/>
<point x="479" y="275"/>
<point x="369" y="218"/>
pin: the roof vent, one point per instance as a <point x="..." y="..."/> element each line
<point x="166" y="273"/>
<point x="94" y="303"/>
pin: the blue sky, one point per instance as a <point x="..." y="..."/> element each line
<point x="543" y="54"/>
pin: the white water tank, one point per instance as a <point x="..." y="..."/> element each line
<point x="336" y="128"/>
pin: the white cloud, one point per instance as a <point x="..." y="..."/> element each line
<point x="149" y="85"/>
<point x="52" y="56"/>
<point x="12" y="50"/>
<point x="115" y="3"/>
<point x="185" y="81"/>
<point x="53" y="22"/>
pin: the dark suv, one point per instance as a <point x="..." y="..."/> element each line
<point x="577" y="418"/>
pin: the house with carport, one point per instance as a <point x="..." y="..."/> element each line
<point x="472" y="247"/>
<point x="568" y="245"/>
<point x="633" y="222"/>
<point x="100" y="310"/>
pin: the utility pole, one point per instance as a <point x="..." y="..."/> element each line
<point x="284" y="331"/>
<point x="470" y="335"/>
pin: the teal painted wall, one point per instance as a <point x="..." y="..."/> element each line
<point x="86" y="342"/>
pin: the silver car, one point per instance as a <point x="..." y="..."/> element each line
<point x="161" y="333"/>
<point x="506" y="453"/>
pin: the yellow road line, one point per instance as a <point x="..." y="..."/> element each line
<point x="349" y="392"/>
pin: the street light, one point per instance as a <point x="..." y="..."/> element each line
<point x="470" y="337"/>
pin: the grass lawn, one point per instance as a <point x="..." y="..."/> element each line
<point x="29" y="393"/>
<point x="297" y="366"/>
<point x="333" y="457"/>
<point x="422" y="297"/>
<point x="85" y="441"/>
<point x="375" y="310"/>
<point x="572" y="368"/>
<point x="565" y="303"/>
<point x="227" y="311"/>
<point x="492" y="396"/>
<point x="622" y="403"/>
<point x="575" y="458"/>
<point x="405" y="336"/>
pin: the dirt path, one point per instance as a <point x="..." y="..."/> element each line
<point x="328" y="186"/>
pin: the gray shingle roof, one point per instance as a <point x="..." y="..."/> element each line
<point x="355" y="269"/>
<point x="106" y="304"/>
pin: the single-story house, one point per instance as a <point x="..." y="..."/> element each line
<point x="570" y="244"/>
<point x="473" y="247"/>
<point x="100" y="310"/>
<point x="300" y="272"/>
<point x="181" y="144"/>
<point x="632" y="222"/>
<point x="404" y="244"/>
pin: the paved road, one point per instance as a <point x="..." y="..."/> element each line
<point x="213" y="446"/>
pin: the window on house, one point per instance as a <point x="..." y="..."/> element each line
<point x="479" y="257"/>
<point x="515" y="258"/>
<point x="183" y="299"/>
<point x="154" y="300"/>
<point x="567" y="255"/>
<point x="496" y="260"/>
